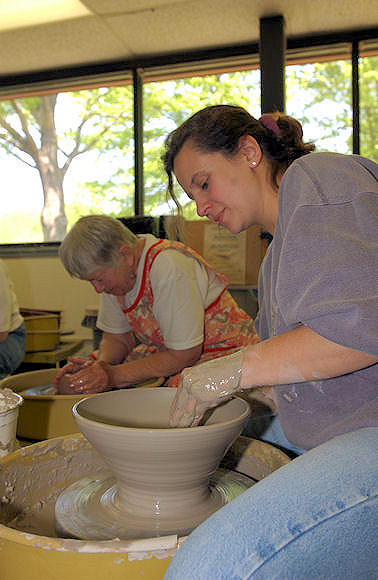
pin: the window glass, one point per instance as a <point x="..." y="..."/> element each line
<point x="167" y="104"/>
<point x="64" y="155"/>
<point x="319" y="95"/>
<point x="368" y="84"/>
<point x="68" y="154"/>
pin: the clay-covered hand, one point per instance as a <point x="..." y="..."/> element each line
<point x="90" y="379"/>
<point x="74" y="365"/>
<point x="205" y="386"/>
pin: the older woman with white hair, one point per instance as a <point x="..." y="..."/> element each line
<point x="162" y="307"/>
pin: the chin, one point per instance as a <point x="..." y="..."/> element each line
<point x="235" y="229"/>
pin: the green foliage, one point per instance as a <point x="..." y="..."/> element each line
<point x="320" y="96"/>
<point x="101" y="120"/>
<point x="167" y="104"/>
<point x="368" y="71"/>
<point x="18" y="224"/>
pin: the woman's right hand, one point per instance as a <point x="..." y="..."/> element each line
<point x="205" y="386"/>
<point x="74" y="365"/>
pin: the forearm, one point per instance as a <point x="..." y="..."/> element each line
<point x="297" y="356"/>
<point x="159" y="364"/>
<point x="114" y="348"/>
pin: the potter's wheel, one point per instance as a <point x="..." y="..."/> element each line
<point x="88" y="509"/>
<point x="41" y="390"/>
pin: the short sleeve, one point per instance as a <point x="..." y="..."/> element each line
<point x="180" y="286"/>
<point x="328" y="270"/>
<point x="110" y="316"/>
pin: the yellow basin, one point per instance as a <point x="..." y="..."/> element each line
<point x="47" y="416"/>
<point x="33" y="477"/>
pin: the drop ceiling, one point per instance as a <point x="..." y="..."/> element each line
<point x="114" y="30"/>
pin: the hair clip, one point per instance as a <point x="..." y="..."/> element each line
<point x="269" y="122"/>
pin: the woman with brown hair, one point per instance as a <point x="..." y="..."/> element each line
<point x="317" y="323"/>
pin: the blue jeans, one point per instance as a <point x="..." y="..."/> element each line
<point x="12" y="351"/>
<point x="313" y="519"/>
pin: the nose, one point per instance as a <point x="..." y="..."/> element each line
<point x="203" y="206"/>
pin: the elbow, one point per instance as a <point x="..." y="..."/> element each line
<point x="3" y="336"/>
<point x="194" y="356"/>
<point x="186" y="358"/>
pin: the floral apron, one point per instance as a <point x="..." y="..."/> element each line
<point x="227" y="327"/>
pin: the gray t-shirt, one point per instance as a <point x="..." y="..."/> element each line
<point x="321" y="270"/>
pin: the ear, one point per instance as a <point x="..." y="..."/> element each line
<point x="250" y="149"/>
<point x="126" y="254"/>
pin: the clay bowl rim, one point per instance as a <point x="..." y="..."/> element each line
<point x="56" y="397"/>
<point x="213" y="426"/>
<point x="20" y="390"/>
<point x="77" y="397"/>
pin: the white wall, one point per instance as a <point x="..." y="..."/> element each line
<point x="44" y="283"/>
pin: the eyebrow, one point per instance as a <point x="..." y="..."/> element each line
<point x="195" y="176"/>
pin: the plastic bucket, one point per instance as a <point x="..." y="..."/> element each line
<point x="8" y="427"/>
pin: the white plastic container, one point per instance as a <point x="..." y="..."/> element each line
<point x="8" y="425"/>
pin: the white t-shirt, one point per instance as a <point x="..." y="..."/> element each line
<point x="10" y="317"/>
<point x="182" y="291"/>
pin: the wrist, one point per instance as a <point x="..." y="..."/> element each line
<point x="108" y="370"/>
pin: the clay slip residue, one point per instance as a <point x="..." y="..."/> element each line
<point x="8" y="400"/>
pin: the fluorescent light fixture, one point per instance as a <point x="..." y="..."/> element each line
<point x="25" y="13"/>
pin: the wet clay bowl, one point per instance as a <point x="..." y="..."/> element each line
<point x="44" y="413"/>
<point x="162" y="474"/>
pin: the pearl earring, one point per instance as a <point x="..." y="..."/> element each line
<point x="254" y="163"/>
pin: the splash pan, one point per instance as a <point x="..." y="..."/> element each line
<point x="88" y="509"/>
<point x="31" y="480"/>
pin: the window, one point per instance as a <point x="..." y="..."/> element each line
<point x="64" y="155"/>
<point x="67" y="149"/>
<point x="368" y="117"/>
<point x="167" y="103"/>
<point x="319" y="95"/>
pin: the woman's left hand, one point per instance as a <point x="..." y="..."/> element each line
<point x="92" y="379"/>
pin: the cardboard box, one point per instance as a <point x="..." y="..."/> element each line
<point x="239" y="256"/>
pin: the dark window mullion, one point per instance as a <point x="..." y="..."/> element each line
<point x="355" y="97"/>
<point x="138" y="144"/>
